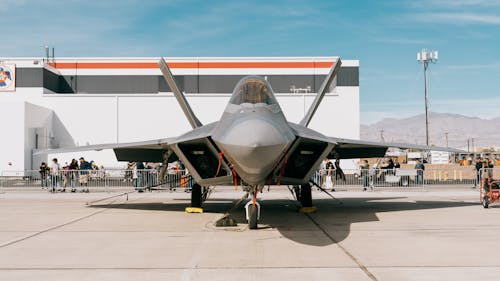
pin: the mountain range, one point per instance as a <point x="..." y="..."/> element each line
<point x="481" y="133"/>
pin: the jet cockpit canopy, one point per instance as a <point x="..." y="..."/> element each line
<point x="253" y="90"/>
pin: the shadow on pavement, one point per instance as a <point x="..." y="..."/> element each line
<point x="283" y="215"/>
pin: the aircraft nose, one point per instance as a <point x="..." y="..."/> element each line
<point x="254" y="146"/>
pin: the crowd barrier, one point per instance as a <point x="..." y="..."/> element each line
<point x="93" y="180"/>
<point x="119" y="179"/>
<point x="400" y="178"/>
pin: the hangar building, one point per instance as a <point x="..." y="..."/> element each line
<point x="67" y="102"/>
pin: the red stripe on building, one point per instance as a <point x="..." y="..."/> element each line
<point x="151" y="65"/>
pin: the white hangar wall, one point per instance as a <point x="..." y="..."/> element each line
<point x="35" y="117"/>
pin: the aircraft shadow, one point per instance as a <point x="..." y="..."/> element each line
<point x="334" y="217"/>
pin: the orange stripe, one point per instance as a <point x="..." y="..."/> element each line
<point x="149" y="65"/>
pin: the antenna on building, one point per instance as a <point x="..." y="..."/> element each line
<point x="47" y="53"/>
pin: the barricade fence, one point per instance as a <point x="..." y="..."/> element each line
<point x="121" y="179"/>
<point x="93" y="180"/>
<point x="399" y="178"/>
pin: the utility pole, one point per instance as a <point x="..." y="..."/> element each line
<point x="473" y="148"/>
<point x="425" y="57"/>
<point x="446" y="136"/>
<point x="468" y="145"/>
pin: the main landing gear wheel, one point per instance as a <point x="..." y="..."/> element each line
<point x="196" y="200"/>
<point x="306" y="199"/>
<point x="196" y="196"/>
<point x="305" y="195"/>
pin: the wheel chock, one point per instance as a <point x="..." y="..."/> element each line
<point x="191" y="210"/>
<point x="308" y="210"/>
<point x="226" y="221"/>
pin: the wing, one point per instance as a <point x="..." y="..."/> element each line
<point x="348" y="149"/>
<point x="147" y="151"/>
<point x="311" y="147"/>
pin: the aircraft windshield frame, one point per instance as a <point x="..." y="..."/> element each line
<point x="253" y="90"/>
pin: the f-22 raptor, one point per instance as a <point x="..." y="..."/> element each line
<point x="252" y="144"/>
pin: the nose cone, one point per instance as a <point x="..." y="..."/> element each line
<point x="254" y="146"/>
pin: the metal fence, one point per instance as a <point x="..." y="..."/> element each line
<point x="93" y="180"/>
<point x="370" y="179"/>
<point x="148" y="179"/>
<point x="400" y="178"/>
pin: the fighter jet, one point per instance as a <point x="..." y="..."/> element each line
<point x="252" y="144"/>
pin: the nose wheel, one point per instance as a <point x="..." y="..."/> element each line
<point x="253" y="214"/>
<point x="252" y="209"/>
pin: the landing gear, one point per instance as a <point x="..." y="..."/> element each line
<point x="196" y="199"/>
<point x="305" y="195"/>
<point x="252" y="209"/>
<point x="196" y="196"/>
<point x="305" y="199"/>
<point x="253" y="214"/>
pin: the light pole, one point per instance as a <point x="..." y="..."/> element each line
<point x="425" y="56"/>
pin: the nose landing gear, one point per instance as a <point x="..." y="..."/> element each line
<point x="252" y="209"/>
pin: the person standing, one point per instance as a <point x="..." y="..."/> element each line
<point x="339" y="174"/>
<point x="329" y="169"/>
<point x="140" y="176"/>
<point x="397" y="166"/>
<point x="479" y="167"/>
<point x="54" y="175"/>
<point x="85" y="168"/>
<point x="44" y="174"/>
<point x="365" y="174"/>
<point x="420" y="167"/>
<point x="73" y="174"/>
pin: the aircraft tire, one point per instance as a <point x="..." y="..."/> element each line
<point x="253" y="213"/>
<point x="196" y="196"/>
<point x="306" y="195"/>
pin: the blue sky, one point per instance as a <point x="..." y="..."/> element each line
<point x="384" y="35"/>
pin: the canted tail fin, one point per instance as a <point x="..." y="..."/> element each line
<point x="321" y="93"/>
<point x="181" y="99"/>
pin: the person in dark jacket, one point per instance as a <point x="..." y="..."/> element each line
<point x="85" y="168"/>
<point x="73" y="174"/>
<point x="339" y="174"/>
<point x="140" y="176"/>
<point x="44" y="174"/>
<point x="420" y="167"/>
<point x="365" y="174"/>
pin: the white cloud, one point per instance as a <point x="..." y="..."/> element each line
<point x="455" y="3"/>
<point x="457" y="18"/>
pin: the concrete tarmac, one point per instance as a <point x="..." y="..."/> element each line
<point x="383" y="235"/>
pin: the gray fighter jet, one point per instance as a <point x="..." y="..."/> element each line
<point x="251" y="145"/>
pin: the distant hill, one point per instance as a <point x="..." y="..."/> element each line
<point x="486" y="132"/>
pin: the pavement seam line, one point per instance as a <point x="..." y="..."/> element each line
<point x="351" y="256"/>
<point x="54" y="227"/>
